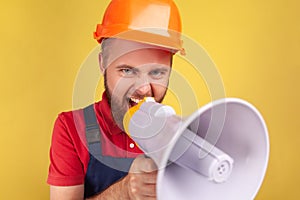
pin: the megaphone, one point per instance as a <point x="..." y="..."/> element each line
<point x="221" y="151"/>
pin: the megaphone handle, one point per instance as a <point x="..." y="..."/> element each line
<point x="195" y="153"/>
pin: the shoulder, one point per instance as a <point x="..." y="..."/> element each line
<point x="71" y="124"/>
<point x="68" y="128"/>
<point x="68" y="152"/>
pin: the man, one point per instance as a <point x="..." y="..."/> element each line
<point x="138" y="39"/>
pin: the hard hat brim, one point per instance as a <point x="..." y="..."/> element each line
<point x="158" y="37"/>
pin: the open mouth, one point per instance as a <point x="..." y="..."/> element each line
<point x="134" y="101"/>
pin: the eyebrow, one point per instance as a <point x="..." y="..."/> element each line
<point x="129" y="66"/>
<point x="162" y="69"/>
<point x="124" y="66"/>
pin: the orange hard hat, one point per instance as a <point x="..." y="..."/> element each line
<point x="155" y="22"/>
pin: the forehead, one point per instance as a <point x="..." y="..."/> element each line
<point x="118" y="50"/>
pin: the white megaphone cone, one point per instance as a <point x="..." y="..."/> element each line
<point x="219" y="152"/>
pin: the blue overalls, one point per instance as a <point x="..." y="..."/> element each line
<point x="100" y="176"/>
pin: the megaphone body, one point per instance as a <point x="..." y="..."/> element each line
<point x="219" y="152"/>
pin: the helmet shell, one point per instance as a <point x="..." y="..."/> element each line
<point x="155" y="22"/>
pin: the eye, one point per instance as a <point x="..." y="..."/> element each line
<point x="158" y="73"/>
<point x="128" y="72"/>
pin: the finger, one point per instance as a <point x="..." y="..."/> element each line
<point x="145" y="190"/>
<point x="148" y="165"/>
<point x="143" y="164"/>
<point x="143" y="178"/>
<point x="150" y="178"/>
<point x="148" y="190"/>
<point x="148" y="198"/>
<point x="135" y="166"/>
<point x="143" y="198"/>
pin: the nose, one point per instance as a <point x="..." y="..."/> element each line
<point x="144" y="88"/>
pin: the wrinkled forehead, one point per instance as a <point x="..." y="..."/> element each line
<point x="114" y="48"/>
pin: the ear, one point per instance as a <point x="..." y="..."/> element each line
<point x="100" y="59"/>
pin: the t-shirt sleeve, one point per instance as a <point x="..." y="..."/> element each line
<point x="66" y="168"/>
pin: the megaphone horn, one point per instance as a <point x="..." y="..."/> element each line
<point x="221" y="146"/>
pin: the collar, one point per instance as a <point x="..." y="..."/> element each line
<point x="103" y="111"/>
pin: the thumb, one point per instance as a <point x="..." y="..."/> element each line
<point x="143" y="164"/>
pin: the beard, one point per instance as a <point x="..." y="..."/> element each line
<point x="120" y="105"/>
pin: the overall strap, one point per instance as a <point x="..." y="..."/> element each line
<point x="93" y="138"/>
<point x="102" y="171"/>
<point x="92" y="131"/>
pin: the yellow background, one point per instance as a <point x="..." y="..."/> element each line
<point x="255" y="44"/>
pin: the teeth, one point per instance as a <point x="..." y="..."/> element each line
<point x="135" y="100"/>
<point x="149" y="99"/>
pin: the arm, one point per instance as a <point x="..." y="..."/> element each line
<point x="67" y="174"/>
<point x="67" y="192"/>
<point x="139" y="184"/>
<point x="114" y="192"/>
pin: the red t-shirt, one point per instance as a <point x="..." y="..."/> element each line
<point x="69" y="156"/>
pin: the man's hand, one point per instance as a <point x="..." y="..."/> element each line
<point x="139" y="184"/>
<point x="141" y="179"/>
